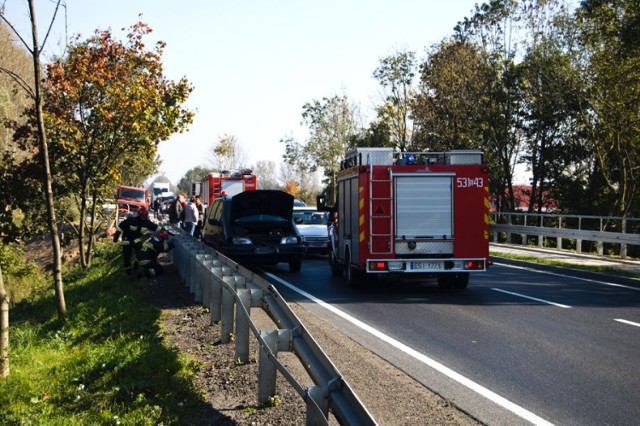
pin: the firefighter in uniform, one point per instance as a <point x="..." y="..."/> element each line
<point x="148" y="256"/>
<point x="133" y="230"/>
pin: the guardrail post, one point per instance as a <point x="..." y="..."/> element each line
<point x="559" y="239"/>
<point x="579" y="240"/>
<point x="267" y="369"/>
<point x="181" y="257"/>
<point x="317" y="405"/>
<point x="183" y="260"/>
<point x="191" y="269"/>
<point x="623" y="246"/>
<point x="601" y="243"/>
<point x="509" y="234"/>
<point x="219" y="271"/>
<point x="228" y="308"/>
<point x="541" y="237"/>
<point x="243" y="303"/>
<point x="200" y="255"/>
<point x="205" y="278"/>
<point x="176" y="255"/>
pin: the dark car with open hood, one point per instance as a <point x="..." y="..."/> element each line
<point x="255" y="228"/>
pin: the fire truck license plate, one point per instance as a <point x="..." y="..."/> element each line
<point x="426" y="265"/>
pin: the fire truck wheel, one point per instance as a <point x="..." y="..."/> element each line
<point x="336" y="270"/>
<point x="295" y="265"/>
<point x="354" y="276"/>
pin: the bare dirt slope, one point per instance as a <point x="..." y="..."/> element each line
<point x="230" y="389"/>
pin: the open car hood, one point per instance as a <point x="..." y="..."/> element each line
<point x="262" y="202"/>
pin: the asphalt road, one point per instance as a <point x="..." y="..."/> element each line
<point x="518" y="346"/>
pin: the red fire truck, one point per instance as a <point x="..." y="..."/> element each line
<point x="230" y="182"/>
<point x="411" y="213"/>
<point x="129" y="199"/>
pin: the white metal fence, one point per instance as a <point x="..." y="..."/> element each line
<point x="620" y="232"/>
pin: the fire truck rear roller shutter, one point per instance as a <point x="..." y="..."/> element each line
<point x="424" y="206"/>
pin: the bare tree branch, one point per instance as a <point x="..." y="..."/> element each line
<point x="20" y="81"/>
<point x="53" y="19"/>
<point x="26" y="45"/>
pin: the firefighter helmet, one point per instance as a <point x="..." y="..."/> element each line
<point x="162" y="235"/>
<point x="143" y="213"/>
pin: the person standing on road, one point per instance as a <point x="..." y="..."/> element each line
<point x="156" y="207"/>
<point x="133" y="230"/>
<point x="198" y="232"/>
<point x="176" y="210"/>
<point x="191" y="216"/>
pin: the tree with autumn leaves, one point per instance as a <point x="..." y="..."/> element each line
<point x="107" y="107"/>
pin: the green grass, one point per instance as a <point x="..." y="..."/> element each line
<point x="590" y="268"/>
<point x="105" y="364"/>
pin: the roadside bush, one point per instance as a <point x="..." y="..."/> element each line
<point x="22" y="279"/>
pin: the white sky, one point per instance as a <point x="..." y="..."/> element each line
<point x="254" y="64"/>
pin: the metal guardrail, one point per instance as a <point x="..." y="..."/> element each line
<point x="600" y="229"/>
<point x="230" y="291"/>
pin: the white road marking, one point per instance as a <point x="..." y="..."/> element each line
<point x="532" y="298"/>
<point x="628" y="287"/>
<point x="627" y="322"/>
<point x="479" y="389"/>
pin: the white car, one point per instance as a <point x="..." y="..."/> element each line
<point x="312" y="225"/>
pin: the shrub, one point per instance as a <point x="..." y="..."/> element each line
<point x="22" y="278"/>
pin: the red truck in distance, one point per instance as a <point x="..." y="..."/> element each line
<point x="229" y="182"/>
<point x="129" y="199"/>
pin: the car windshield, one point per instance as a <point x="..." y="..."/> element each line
<point x="310" y="217"/>
<point x="132" y="194"/>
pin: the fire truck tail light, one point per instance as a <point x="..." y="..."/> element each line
<point x="474" y="265"/>
<point x="378" y="266"/>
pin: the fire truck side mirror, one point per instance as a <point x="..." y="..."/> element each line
<point x="321" y="205"/>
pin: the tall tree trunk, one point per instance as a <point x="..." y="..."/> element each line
<point x="4" y="329"/>
<point x="82" y="226"/>
<point x="92" y="230"/>
<point x="55" y="238"/>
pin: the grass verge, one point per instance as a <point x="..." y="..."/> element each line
<point x="106" y="364"/>
<point x="589" y="268"/>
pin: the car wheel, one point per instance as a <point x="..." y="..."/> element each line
<point x="295" y="265"/>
